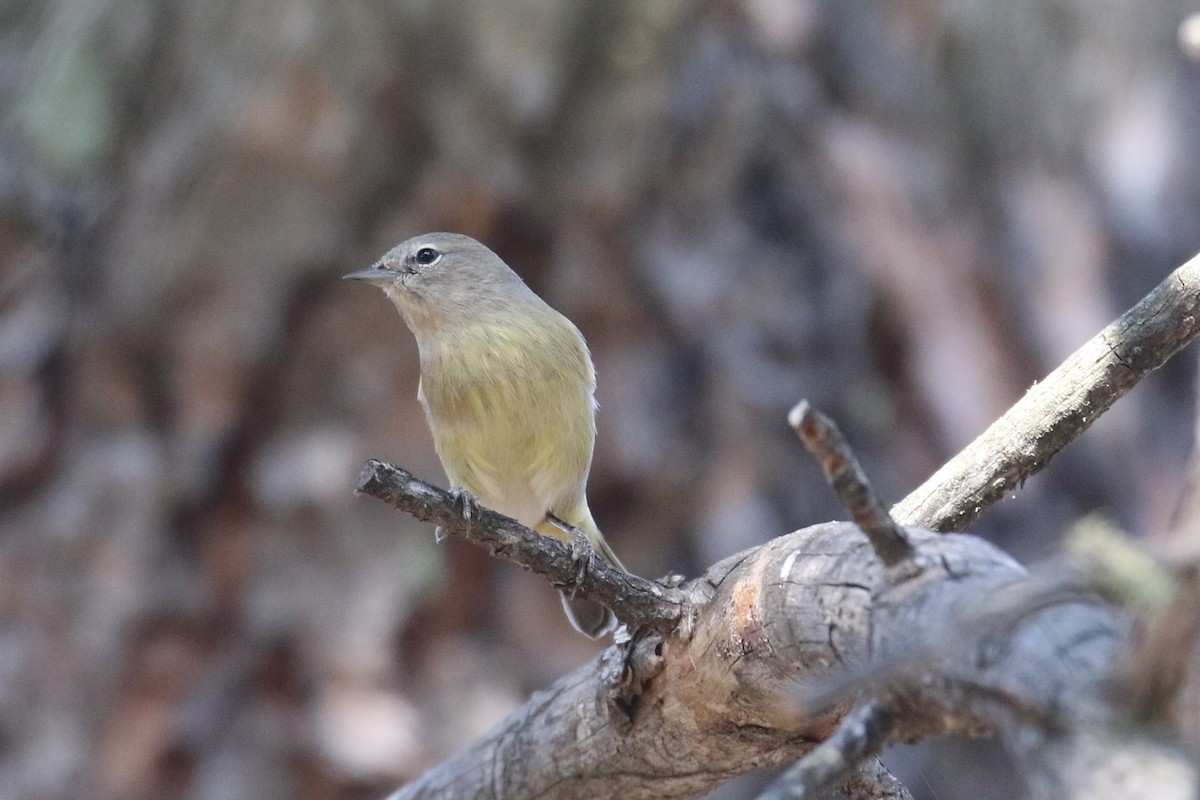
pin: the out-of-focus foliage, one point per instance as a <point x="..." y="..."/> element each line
<point x="905" y="211"/>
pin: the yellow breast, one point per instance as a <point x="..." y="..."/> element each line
<point x="510" y="403"/>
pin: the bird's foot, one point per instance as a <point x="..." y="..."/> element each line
<point x="582" y="554"/>
<point x="465" y="503"/>
<point x="582" y="551"/>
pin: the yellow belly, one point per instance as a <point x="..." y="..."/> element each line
<point x="512" y="416"/>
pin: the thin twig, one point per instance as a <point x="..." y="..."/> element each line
<point x="823" y="439"/>
<point x="636" y="601"/>
<point x="1057" y="410"/>
<point x="860" y="734"/>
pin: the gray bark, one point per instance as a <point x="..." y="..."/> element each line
<point x="781" y="619"/>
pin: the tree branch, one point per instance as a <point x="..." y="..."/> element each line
<point x="782" y="616"/>
<point x="1057" y="410"/>
<point x="871" y="781"/>
<point x="636" y="601"/>
<point x="823" y="439"/>
<point x="861" y="733"/>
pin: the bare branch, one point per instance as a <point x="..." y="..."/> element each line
<point x="861" y="733"/>
<point x="770" y="621"/>
<point x="823" y="439"/>
<point x="1057" y="410"/>
<point x="636" y="601"/>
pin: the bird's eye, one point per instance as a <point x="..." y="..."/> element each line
<point x="427" y="255"/>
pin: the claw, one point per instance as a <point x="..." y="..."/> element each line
<point x="581" y="553"/>
<point x="467" y="503"/>
<point x="464" y="502"/>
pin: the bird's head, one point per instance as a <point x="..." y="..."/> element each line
<point x="445" y="278"/>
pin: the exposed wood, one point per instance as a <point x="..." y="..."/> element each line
<point x="783" y="617"/>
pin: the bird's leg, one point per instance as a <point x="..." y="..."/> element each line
<point x="464" y="502"/>
<point x="582" y="551"/>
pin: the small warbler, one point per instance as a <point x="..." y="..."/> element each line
<point x="508" y="388"/>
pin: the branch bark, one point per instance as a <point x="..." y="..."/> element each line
<point x="799" y="609"/>
<point x="1056" y="411"/>
<point x="860" y="734"/>
<point x="638" y="602"/>
<point x="823" y="439"/>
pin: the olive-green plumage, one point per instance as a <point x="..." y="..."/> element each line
<point x="507" y="385"/>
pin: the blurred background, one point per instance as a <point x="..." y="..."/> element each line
<point x="906" y="212"/>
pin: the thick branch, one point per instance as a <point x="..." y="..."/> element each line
<point x="636" y="601"/>
<point x="1057" y="410"/>
<point x="777" y="618"/>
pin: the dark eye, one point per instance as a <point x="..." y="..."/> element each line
<point x="427" y="255"/>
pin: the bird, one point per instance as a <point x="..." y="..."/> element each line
<point x="508" y="388"/>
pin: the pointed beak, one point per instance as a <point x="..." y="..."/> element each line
<point x="376" y="273"/>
